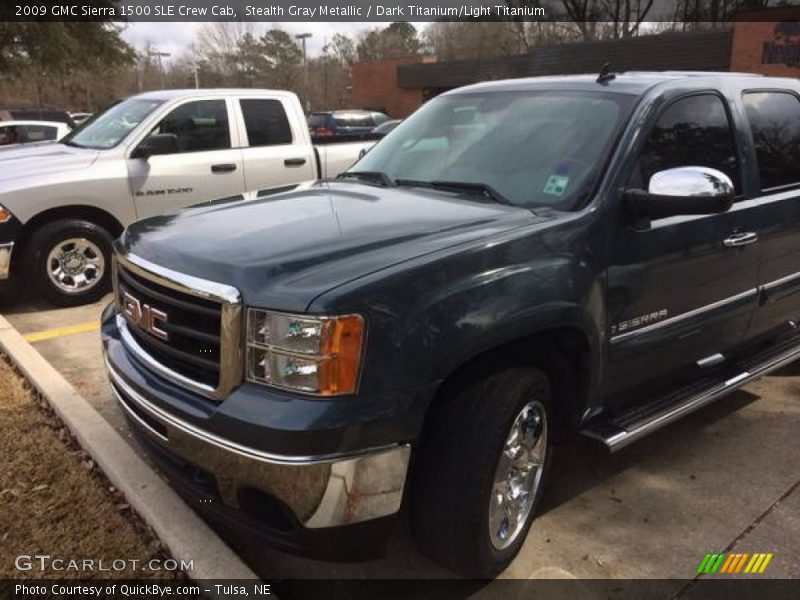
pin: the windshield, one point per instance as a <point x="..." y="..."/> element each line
<point x="110" y="128"/>
<point x="529" y="148"/>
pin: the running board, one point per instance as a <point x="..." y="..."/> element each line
<point x="622" y="430"/>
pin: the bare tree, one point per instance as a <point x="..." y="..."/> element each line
<point x="452" y="40"/>
<point x="398" y="40"/>
<point x="217" y="48"/>
<point x="625" y="16"/>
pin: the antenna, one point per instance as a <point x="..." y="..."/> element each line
<point x="605" y="74"/>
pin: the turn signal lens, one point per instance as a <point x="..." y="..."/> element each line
<point x="339" y="374"/>
<point x="315" y="355"/>
<point x="5" y="215"/>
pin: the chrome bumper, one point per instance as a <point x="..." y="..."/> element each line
<point x="5" y="259"/>
<point x="321" y="491"/>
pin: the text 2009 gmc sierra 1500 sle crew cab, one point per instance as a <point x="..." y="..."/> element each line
<point x="61" y="204"/>
<point x="603" y="254"/>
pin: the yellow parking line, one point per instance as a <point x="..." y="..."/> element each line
<point x="62" y="331"/>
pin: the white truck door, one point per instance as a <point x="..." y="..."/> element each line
<point x="274" y="151"/>
<point x="206" y="166"/>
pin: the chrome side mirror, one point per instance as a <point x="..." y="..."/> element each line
<point x="691" y="182"/>
<point x="683" y="191"/>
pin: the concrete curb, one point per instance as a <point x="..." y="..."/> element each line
<point x="183" y="532"/>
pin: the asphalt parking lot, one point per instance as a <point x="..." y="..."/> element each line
<point x="724" y="479"/>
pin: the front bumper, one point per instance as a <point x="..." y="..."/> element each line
<point x="293" y="501"/>
<point x="320" y="491"/>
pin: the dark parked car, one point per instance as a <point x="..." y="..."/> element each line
<point x="604" y="255"/>
<point x="344" y="122"/>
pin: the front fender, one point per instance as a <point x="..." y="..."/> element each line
<point x="426" y="320"/>
<point x="455" y="324"/>
<point x="102" y="185"/>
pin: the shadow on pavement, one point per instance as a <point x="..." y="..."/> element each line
<point x="16" y="297"/>
<point x="580" y="464"/>
<point x="790" y="370"/>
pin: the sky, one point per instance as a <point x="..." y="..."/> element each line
<point x="174" y="37"/>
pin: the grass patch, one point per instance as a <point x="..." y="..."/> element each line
<point x="54" y="500"/>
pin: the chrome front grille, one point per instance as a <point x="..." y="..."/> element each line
<point x="185" y="328"/>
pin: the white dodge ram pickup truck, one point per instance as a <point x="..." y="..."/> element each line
<point x="62" y="204"/>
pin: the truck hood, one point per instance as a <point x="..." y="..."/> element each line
<point x="282" y="251"/>
<point x="32" y="160"/>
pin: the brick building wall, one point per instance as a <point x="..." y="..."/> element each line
<point x="769" y="47"/>
<point x="765" y="41"/>
<point x="375" y="86"/>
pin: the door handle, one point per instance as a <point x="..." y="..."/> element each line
<point x="294" y="162"/>
<point x="740" y="239"/>
<point x="224" y="168"/>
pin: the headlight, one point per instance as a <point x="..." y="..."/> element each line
<point x="315" y="355"/>
<point x="5" y="214"/>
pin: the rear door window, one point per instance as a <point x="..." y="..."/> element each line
<point x="775" y="122"/>
<point x="266" y="122"/>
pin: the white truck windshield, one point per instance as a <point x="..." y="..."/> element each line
<point x="110" y="128"/>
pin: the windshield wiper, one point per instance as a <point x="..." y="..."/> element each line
<point x="476" y="187"/>
<point x="473" y="187"/>
<point x="377" y="176"/>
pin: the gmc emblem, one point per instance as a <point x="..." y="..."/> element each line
<point x="145" y="316"/>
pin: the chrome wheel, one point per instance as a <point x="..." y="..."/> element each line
<point x="75" y="265"/>
<point x="517" y="475"/>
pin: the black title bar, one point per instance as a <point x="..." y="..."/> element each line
<point x="302" y="10"/>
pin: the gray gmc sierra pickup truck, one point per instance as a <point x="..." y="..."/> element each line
<point x="603" y="254"/>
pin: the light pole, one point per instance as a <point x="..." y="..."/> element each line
<point x="304" y="37"/>
<point x="160" y="55"/>
<point x="325" y="92"/>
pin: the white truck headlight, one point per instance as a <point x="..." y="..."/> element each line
<point x="315" y="355"/>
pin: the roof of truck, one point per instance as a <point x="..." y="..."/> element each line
<point x="206" y="92"/>
<point x="632" y="82"/>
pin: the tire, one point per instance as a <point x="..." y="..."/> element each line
<point x="91" y="242"/>
<point x="455" y="466"/>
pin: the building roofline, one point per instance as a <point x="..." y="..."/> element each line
<point x="703" y="50"/>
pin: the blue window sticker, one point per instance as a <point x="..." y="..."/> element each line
<point x="556" y="185"/>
